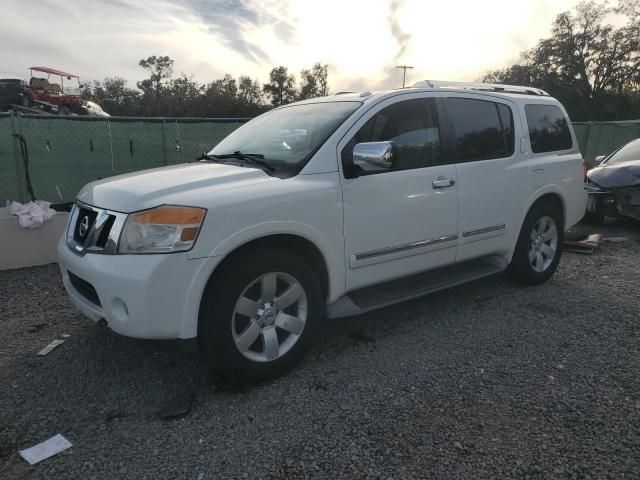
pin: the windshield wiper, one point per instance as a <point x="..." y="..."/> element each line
<point x="254" y="158"/>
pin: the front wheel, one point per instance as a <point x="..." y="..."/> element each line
<point x="259" y="314"/>
<point x="26" y="100"/>
<point x="539" y="246"/>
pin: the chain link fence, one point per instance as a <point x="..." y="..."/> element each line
<point x="65" y="152"/>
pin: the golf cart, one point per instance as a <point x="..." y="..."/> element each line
<point x="40" y="92"/>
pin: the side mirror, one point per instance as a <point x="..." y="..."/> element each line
<point x="598" y="160"/>
<point x="373" y="157"/>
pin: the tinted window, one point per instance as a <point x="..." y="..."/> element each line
<point x="412" y="125"/>
<point x="631" y="151"/>
<point x="548" y="129"/>
<point x="482" y="129"/>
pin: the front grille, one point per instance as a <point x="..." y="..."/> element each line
<point x="94" y="230"/>
<point x="84" y="288"/>
<point x="84" y="224"/>
<point x="101" y="241"/>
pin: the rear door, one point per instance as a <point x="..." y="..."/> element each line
<point x="483" y="137"/>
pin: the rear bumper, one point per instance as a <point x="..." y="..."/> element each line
<point x="141" y="296"/>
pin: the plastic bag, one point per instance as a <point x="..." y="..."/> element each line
<point x="32" y="214"/>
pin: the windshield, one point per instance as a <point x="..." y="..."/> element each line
<point x="287" y="136"/>
<point x="631" y="151"/>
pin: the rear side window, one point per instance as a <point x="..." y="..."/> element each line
<point x="548" y="128"/>
<point x="483" y="129"/>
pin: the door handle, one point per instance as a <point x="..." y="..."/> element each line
<point x="443" y="183"/>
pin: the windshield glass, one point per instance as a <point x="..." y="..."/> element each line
<point x="287" y="136"/>
<point x="631" y="151"/>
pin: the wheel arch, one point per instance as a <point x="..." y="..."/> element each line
<point x="287" y="241"/>
<point x="551" y="195"/>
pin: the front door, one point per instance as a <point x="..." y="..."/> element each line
<point x="403" y="220"/>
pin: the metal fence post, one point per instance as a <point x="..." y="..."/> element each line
<point x="586" y="142"/>
<point x="164" y="142"/>
<point x="178" y="140"/>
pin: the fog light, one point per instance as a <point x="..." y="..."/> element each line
<point x="119" y="310"/>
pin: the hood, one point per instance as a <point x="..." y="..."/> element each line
<point x="616" y="175"/>
<point x="150" y="188"/>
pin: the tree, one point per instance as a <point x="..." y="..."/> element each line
<point x="250" y="97"/>
<point x="313" y="83"/>
<point x="160" y="70"/>
<point x="281" y="87"/>
<point x="590" y="65"/>
<point x="183" y="96"/>
<point x="114" y="96"/>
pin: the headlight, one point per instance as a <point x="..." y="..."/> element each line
<point x="161" y="229"/>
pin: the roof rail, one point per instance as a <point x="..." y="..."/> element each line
<point x="488" y="87"/>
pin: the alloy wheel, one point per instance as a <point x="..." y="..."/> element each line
<point x="543" y="244"/>
<point x="269" y="317"/>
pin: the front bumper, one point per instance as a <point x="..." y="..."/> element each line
<point x="141" y="296"/>
<point x="600" y="202"/>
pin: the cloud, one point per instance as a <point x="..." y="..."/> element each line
<point x="401" y="37"/>
<point x="231" y="20"/>
<point x="363" y="42"/>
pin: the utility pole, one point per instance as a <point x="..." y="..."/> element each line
<point x="404" y="72"/>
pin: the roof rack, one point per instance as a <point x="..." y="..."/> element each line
<point x="487" y="87"/>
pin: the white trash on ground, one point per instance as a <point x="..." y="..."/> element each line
<point x="46" y="449"/>
<point x="32" y="214"/>
<point x="51" y="346"/>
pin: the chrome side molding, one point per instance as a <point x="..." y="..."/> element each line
<point x="405" y="246"/>
<point x="480" y="231"/>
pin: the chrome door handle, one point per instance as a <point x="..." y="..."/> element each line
<point x="444" y="183"/>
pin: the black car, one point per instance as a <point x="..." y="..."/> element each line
<point x="11" y="92"/>
<point x="614" y="185"/>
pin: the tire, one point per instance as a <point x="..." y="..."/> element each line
<point x="539" y="246"/>
<point x="243" y="330"/>
<point x="26" y="101"/>
<point x="64" y="110"/>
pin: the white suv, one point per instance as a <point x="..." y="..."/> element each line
<point x="328" y="207"/>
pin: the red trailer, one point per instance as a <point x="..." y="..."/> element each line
<point x="54" y="97"/>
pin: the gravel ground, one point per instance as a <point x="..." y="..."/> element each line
<point x="486" y="380"/>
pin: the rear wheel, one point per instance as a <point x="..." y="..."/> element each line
<point x="259" y="314"/>
<point x="539" y="246"/>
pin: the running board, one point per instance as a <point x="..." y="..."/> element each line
<point x="399" y="290"/>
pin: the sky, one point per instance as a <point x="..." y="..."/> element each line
<point x="361" y="40"/>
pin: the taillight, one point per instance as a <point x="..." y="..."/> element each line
<point x="584" y="169"/>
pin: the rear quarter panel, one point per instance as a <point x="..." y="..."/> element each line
<point x="536" y="174"/>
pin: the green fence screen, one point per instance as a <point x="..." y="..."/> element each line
<point x="64" y="152"/>
<point x="67" y="152"/>
<point x="602" y="138"/>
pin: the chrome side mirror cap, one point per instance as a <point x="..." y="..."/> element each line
<point x="374" y="156"/>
